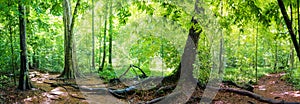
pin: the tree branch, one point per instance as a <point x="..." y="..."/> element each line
<point x="74" y="15"/>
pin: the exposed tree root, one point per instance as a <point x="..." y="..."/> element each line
<point x="246" y="86"/>
<point x="173" y="95"/>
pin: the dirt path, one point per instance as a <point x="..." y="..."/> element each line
<point x="269" y="86"/>
<point x="47" y="91"/>
<point x="272" y="86"/>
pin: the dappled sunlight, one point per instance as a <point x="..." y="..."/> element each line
<point x="295" y="94"/>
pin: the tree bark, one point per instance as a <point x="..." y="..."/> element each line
<point x="69" y="42"/>
<point x="189" y="53"/>
<point x="24" y="82"/>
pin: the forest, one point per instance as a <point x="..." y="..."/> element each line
<point x="150" y="51"/>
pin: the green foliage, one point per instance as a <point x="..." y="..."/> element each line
<point x="293" y="77"/>
<point x="144" y="30"/>
<point x="244" y="74"/>
<point x="107" y="74"/>
<point x="123" y="14"/>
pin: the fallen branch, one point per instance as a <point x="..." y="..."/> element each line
<point x="133" y="66"/>
<point x="253" y="95"/>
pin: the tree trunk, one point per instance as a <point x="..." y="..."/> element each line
<point x="24" y="83"/>
<point x="93" y="36"/>
<point x="189" y="53"/>
<point x="104" y="41"/>
<point x="69" y="42"/>
<point x="290" y="28"/>
<point x="276" y="55"/>
<point x="12" y="47"/>
<point x="256" y="46"/>
<point x="298" y="15"/>
<point x="292" y="56"/>
<point x="110" y="36"/>
<point x="100" y="44"/>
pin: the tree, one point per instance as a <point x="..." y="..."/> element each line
<point x="110" y="35"/>
<point x="104" y="39"/>
<point x="24" y="82"/>
<point x="93" y="36"/>
<point x="289" y="26"/>
<point x="69" y="42"/>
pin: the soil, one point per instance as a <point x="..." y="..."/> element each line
<point x="270" y="86"/>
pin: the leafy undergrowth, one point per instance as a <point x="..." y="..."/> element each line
<point x="293" y="77"/>
<point x="45" y="92"/>
<point x="245" y="75"/>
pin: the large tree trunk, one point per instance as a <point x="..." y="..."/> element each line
<point x="69" y="42"/>
<point x="24" y="82"/>
<point x="189" y="53"/>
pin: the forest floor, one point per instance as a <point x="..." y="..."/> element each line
<point x="54" y="92"/>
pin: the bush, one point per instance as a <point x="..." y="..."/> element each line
<point x="107" y="75"/>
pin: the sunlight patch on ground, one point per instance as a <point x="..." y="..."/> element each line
<point x="262" y="87"/>
<point x="288" y="93"/>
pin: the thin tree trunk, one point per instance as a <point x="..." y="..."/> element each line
<point x="276" y="55"/>
<point x="104" y="40"/>
<point x="292" y="56"/>
<point x="256" y="45"/>
<point x="93" y="36"/>
<point x="104" y="47"/>
<point x="12" y="51"/>
<point x="100" y="43"/>
<point x="110" y="35"/>
<point x="24" y="83"/>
